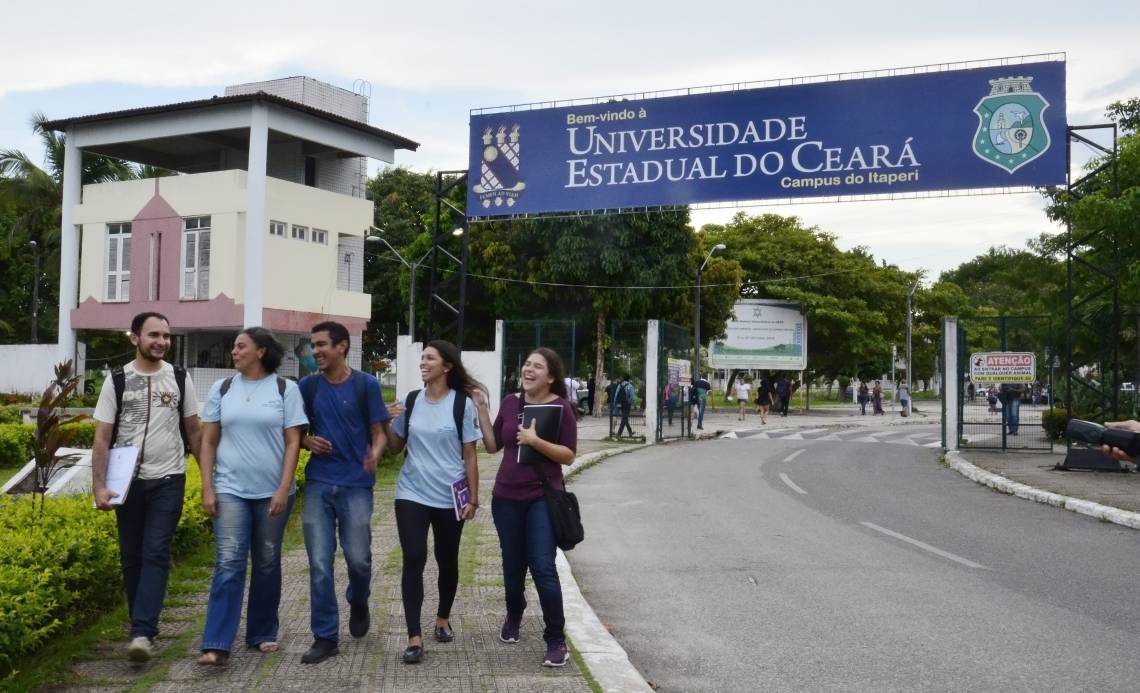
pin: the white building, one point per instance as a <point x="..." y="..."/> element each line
<point x="265" y="226"/>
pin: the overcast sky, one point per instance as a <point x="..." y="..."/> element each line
<point x="429" y="63"/>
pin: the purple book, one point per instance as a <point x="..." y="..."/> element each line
<point x="460" y="496"/>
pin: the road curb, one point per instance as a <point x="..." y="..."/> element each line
<point x="997" y="482"/>
<point x="602" y="653"/>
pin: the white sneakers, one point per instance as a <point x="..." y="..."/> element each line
<point x="140" y="649"/>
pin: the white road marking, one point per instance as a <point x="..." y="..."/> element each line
<point x="730" y="434"/>
<point x="794" y="455"/>
<point x="791" y="484"/>
<point x="757" y="436"/>
<point x="935" y="444"/>
<point x="922" y="545"/>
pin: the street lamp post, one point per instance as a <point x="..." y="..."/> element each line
<point x="909" y="316"/>
<point x="697" y="313"/>
<point x="35" y="290"/>
<point x="412" y="270"/>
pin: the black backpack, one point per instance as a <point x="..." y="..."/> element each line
<point x="119" y="382"/>
<point x="457" y="411"/>
<point x="230" y="381"/>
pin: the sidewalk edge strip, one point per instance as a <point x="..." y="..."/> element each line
<point x="603" y="654"/>
<point x="1105" y="513"/>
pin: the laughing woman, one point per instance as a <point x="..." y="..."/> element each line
<point x="438" y="454"/>
<point x="251" y="435"/>
<point x="518" y="504"/>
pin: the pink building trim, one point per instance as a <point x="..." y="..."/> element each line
<point x="216" y="314"/>
<point x="301" y="322"/>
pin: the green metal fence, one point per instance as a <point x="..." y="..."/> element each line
<point x="674" y="378"/>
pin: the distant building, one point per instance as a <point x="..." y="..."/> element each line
<point x="264" y="226"/>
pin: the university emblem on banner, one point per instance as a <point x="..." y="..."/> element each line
<point x="499" y="179"/>
<point x="1011" y="131"/>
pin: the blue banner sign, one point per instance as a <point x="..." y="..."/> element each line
<point x="988" y="127"/>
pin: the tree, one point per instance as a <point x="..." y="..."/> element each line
<point x="30" y="202"/>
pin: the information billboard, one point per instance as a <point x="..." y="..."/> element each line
<point x="763" y="334"/>
<point x="986" y="127"/>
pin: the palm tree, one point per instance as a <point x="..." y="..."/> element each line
<point x="41" y="190"/>
<point x="30" y="202"/>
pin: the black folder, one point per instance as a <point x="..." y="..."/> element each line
<point x="548" y="426"/>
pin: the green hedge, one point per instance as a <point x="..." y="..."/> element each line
<point x="14" y="445"/>
<point x="15" y="438"/>
<point x="59" y="569"/>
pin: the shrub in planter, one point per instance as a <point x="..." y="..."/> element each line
<point x="1054" y="422"/>
<point x="15" y="440"/>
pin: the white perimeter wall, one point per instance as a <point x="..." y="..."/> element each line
<point x="27" y="368"/>
<point x="484" y="366"/>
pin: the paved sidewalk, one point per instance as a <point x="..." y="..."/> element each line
<point x="475" y="661"/>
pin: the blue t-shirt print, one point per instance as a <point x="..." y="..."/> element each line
<point x="434" y="457"/>
<point x="339" y="418"/>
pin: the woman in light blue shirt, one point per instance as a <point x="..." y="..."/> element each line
<point x="251" y="436"/>
<point x="440" y="451"/>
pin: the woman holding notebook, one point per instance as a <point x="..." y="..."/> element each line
<point x="438" y="485"/>
<point x="518" y="504"/>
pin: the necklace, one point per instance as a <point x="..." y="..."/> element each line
<point x="250" y="392"/>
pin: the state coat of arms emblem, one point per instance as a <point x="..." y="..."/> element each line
<point x="1011" y="129"/>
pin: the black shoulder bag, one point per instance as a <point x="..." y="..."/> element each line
<point x="565" y="517"/>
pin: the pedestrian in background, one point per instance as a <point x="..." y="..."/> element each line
<point x="251" y="438"/>
<point x="438" y="454"/>
<point x="877" y="399"/>
<point x="625" y="395"/>
<point x="864" y="395"/>
<point x="766" y="395"/>
<point x="518" y="502"/>
<point x="699" y="397"/>
<point x="743" y="389"/>
<point x="904" y="398"/>
<point x="784" y="393"/>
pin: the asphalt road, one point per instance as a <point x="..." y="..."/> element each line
<point x="809" y="565"/>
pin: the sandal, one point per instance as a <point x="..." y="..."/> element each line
<point x="215" y="658"/>
<point x="268" y="646"/>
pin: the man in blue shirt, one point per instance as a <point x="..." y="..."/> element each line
<point x="347" y="421"/>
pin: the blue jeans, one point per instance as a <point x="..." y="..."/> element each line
<point x="243" y="529"/>
<point x="331" y="511"/>
<point x="526" y="540"/>
<point x="146" y="523"/>
<point x="1013" y="412"/>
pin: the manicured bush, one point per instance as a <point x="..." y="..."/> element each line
<point x="14" y="442"/>
<point x="10" y="414"/>
<point x="61" y="567"/>
<point x="85" y="434"/>
<point x="56" y="569"/>
<point x="1054" y="422"/>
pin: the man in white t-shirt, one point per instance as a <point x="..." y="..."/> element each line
<point x="151" y="417"/>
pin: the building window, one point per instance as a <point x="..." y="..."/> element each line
<point x="320" y="236"/>
<point x="196" y="258"/>
<point x="118" y="262"/>
<point x="300" y="233"/>
<point x="277" y="228"/>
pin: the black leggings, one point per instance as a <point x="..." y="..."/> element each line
<point x="412" y="522"/>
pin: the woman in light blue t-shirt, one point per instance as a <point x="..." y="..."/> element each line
<point x="438" y="454"/>
<point x="251" y="436"/>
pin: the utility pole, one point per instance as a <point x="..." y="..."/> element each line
<point x="35" y="291"/>
<point x="909" y="383"/>
<point x="697" y="313"/>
